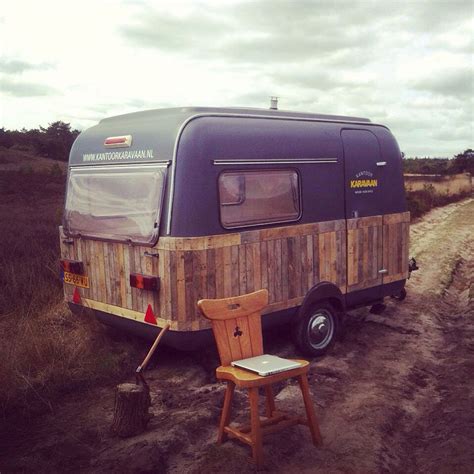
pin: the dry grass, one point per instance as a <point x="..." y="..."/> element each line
<point x="45" y="350"/>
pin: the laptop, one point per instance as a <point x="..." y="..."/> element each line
<point x="266" y="364"/>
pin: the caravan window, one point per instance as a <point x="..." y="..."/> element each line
<point x="250" y="198"/>
<point x="115" y="202"/>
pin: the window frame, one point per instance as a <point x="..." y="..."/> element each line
<point x="267" y="223"/>
<point x="158" y="216"/>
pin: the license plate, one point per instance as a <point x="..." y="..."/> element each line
<point x="76" y="280"/>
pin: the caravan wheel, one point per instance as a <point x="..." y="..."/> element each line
<point x="316" y="330"/>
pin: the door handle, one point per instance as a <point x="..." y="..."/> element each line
<point x="381" y="163"/>
<point x="383" y="270"/>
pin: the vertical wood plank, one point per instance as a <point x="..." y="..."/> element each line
<point x="257" y="276"/>
<point x="249" y="267"/>
<point x="167" y="284"/>
<point x="297" y="259"/>
<point x="242" y="270"/>
<point x="333" y="261"/>
<point x="316" y="260"/>
<point x="278" y="270"/>
<point x="264" y="264"/>
<point x="353" y="256"/>
<point x="211" y="273"/>
<point x="271" y="270"/>
<point x="304" y="264"/>
<point x="142" y="303"/>
<point x="173" y="278"/>
<point x="323" y="258"/>
<point x="122" y="276"/>
<point x="180" y="287"/>
<point x="126" y="269"/>
<point x="284" y="270"/>
<point x="380" y="256"/>
<point x="235" y="274"/>
<point x="191" y="299"/>
<point x="219" y="264"/>
<point x="227" y="271"/>
<point x="365" y="254"/>
<point x="309" y="262"/>
<point x="360" y="254"/>
<point x="291" y="267"/>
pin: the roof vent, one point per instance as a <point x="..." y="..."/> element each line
<point x="273" y="103"/>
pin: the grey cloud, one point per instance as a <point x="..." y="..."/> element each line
<point x="438" y="15"/>
<point x="283" y="31"/>
<point x="169" y="33"/>
<point x="456" y="83"/>
<point x="25" y="89"/>
<point x="458" y="134"/>
<point x="255" y="32"/>
<point x="14" y="66"/>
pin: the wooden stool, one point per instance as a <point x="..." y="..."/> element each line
<point x="236" y="323"/>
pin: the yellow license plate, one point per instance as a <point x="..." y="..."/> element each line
<point x="77" y="280"/>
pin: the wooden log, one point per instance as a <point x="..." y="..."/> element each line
<point x="131" y="410"/>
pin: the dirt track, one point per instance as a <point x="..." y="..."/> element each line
<point x="397" y="395"/>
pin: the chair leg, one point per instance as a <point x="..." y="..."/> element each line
<point x="270" y="401"/>
<point x="225" y="416"/>
<point x="256" y="433"/>
<point x="310" y="414"/>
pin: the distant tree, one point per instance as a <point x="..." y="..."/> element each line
<point x="6" y="138"/>
<point x="58" y="139"/>
<point x="463" y="162"/>
<point x="54" y="141"/>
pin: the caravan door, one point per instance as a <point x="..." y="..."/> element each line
<point x="363" y="169"/>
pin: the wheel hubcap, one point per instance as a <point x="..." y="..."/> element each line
<point x="321" y="329"/>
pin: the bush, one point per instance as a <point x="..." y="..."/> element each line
<point x="420" y="202"/>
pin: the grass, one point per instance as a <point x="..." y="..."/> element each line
<point x="45" y="350"/>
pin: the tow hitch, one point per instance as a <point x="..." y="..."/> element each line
<point x="412" y="266"/>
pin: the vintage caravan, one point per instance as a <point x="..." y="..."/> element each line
<point x="165" y="207"/>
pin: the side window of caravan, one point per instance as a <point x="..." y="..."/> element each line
<point x="250" y="198"/>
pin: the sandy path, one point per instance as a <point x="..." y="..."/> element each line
<point x="397" y="395"/>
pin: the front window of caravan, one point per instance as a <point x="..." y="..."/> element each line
<point x="115" y="202"/>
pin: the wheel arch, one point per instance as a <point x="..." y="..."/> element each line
<point x="323" y="291"/>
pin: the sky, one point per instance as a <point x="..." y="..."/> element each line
<point x="406" y="64"/>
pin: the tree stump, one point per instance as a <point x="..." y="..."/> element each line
<point x="131" y="410"/>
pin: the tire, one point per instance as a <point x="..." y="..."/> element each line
<point x="401" y="295"/>
<point x="316" y="330"/>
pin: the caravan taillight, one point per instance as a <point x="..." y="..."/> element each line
<point x="72" y="266"/>
<point x="144" y="282"/>
<point x="117" y="142"/>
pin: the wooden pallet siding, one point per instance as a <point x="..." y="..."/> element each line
<point x="287" y="261"/>
<point x="396" y="232"/>
<point x="374" y="243"/>
<point x="364" y="245"/>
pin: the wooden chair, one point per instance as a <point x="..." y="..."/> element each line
<point x="236" y="323"/>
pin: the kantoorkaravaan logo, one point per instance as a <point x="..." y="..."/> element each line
<point x="364" y="182"/>
<point x="119" y="155"/>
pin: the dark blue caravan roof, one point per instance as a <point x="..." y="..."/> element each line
<point x="154" y="132"/>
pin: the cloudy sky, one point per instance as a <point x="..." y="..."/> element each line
<point x="406" y="64"/>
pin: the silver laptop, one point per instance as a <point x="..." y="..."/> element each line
<point x="266" y="364"/>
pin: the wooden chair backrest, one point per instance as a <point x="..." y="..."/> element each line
<point x="236" y="323"/>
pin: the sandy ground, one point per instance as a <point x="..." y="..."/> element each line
<point x="396" y="395"/>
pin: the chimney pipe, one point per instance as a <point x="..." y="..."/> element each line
<point x="273" y="103"/>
